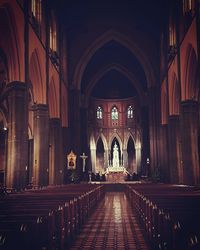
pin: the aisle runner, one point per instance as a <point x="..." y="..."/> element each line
<point x="112" y="226"/>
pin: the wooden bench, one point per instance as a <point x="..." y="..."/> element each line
<point x="169" y="214"/>
<point x="46" y="218"/>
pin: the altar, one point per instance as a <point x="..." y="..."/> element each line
<point x="116" y="177"/>
<point x="115" y="169"/>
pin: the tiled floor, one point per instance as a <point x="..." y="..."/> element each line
<point x="113" y="225"/>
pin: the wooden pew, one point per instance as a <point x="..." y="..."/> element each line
<point x="169" y="214"/>
<point x="46" y="218"/>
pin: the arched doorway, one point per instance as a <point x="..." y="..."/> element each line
<point x="131" y="156"/>
<point x="3" y="150"/>
<point x="100" y="156"/>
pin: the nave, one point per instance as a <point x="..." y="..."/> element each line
<point x="113" y="225"/>
<point x="93" y="216"/>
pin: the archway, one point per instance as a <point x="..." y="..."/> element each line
<point x="190" y="84"/>
<point x="112" y="35"/>
<point x="99" y="156"/>
<point x="36" y="77"/>
<point x="132" y="168"/>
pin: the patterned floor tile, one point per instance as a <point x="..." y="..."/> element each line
<point x="113" y="225"/>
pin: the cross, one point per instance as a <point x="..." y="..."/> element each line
<point x="83" y="157"/>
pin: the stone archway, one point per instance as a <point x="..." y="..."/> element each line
<point x="102" y="40"/>
<point x="132" y="168"/>
<point x="100" y="156"/>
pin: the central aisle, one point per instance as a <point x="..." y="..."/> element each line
<point x="113" y="225"/>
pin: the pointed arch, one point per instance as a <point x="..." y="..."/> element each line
<point x="35" y="76"/>
<point x="131" y="151"/>
<point x="121" y="69"/>
<point x="100" y="42"/>
<point x="129" y="135"/>
<point x="99" y="142"/>
<point x="3" y="118"/>
<point x="164" y="104"/>
<point x="103" y="140"/>
<point x="53" y="100"/>
<point x="64" y="106"/>
<point x="174" y="96"/>
<point x="3" y="69"/>
<point x="190" y="84"/>
<point x="9" y="42"/>
<point x="113" y="136"/>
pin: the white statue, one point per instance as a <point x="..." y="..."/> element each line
<point x="115" y="156"/>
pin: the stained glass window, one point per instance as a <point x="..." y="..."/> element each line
<point x="53" y="38"/>
<point x="130" y="112"/>
<point x="37" y="9"/>
<point x="114" y="113"/>
<point x="99" y="113"/>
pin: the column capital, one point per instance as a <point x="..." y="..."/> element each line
<point x="55" y="121"/>
<point x="16" y="85"/>
<point x="40" y="106"/>
<point x="189" y="106"/>
<point x="173" y="118"/>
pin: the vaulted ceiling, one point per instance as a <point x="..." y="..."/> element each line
<point x="113" y="70"/>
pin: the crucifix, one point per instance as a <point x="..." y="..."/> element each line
<point x="83" y="157"/>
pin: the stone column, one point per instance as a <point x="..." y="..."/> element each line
<point x="75" y="127"/>
<point x="41" y="145"/>
<point x="66" y="147"/>
<point x="138" y="158"/>
<point x="106" y="158"/>
<point x="55" y="153"/>
<point x="74" y="120"/>
<point x="176" y="171"/>
<point x="93" y="159"/>
<point x="153" y="94"/>
<point x="125" y="158"/>
<point x="164" y="153"/>
<point x="145" y="144"/>
<point x="17" y="161"/>
<point x="84" y="146"/>
<point x="189" y="141"/>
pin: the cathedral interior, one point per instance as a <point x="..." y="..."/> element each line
<point x="99" y="124"/>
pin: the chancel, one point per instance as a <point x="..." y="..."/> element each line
<point x="99" y="124"/>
